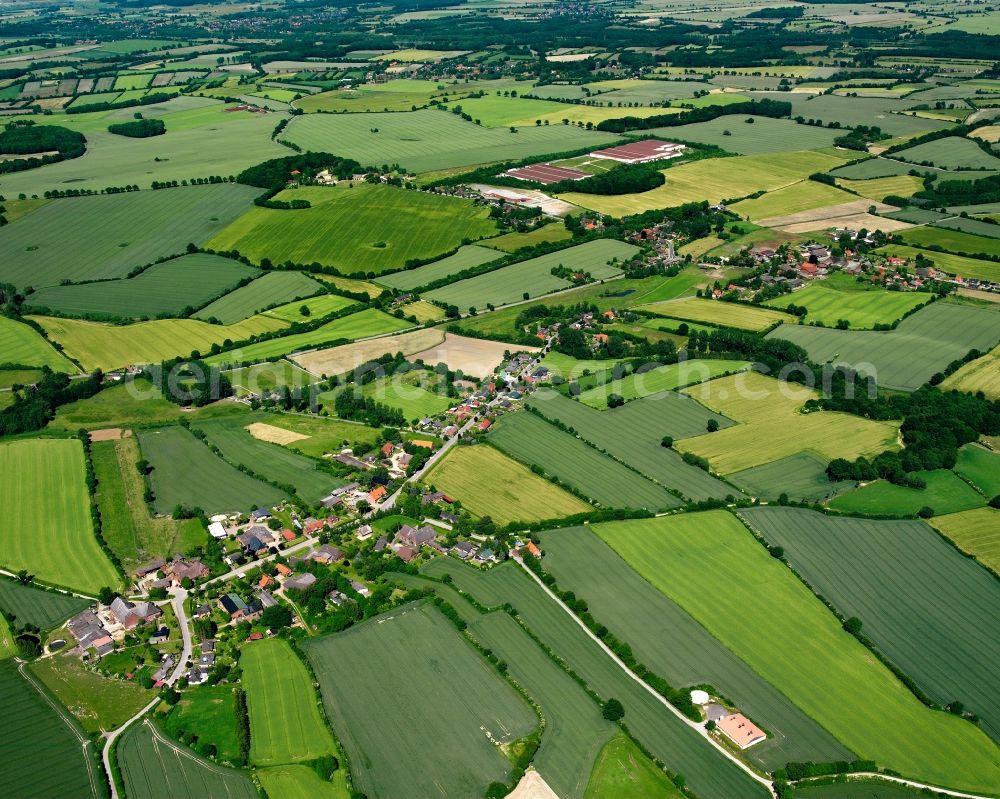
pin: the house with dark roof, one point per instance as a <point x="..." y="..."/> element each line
<point x="406" y="554"/>
<point x="300" y="582"/>
<point x="464" y="549"/>
<point x="132" y="615"/>
<point x="416" y="537"/>
<point x="381" y="543"/>
<point x="327" y="554"/>
<point x="234" y="606"/>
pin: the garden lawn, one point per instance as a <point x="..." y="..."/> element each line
<point x="465" y="257"/>
<point x="361" y="679"/>
<point x="368" y="228"/>
<point x="165" y="289"/>
<point x="715" y="312"/>
<point x="109" y="235"/>
<point x="662" y="378"/>
<point x="932" y="612"/>
<point x="21" y="345"/>
<point x="285" y="722"/>
<point x="755" y="606"/>
<point x="49" y="530"/>
<point x="861" y="307"/>
<point x="187" y="473"/>
<point x="271" y="289"/>
<point x="208" y="711"/>
<point x="945" y="493"/>
<point x="488" y="483"/>
<point x="769" y="410"/>
<point x="103" y="346"/>
<point x="976" y="532"/>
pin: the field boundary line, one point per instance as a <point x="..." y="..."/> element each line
<point x="767" y="783"/>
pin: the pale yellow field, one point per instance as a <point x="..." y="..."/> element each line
<point x="473" y="356"/>
<point x="990" y="133"/>
<point x="423" y="311"/>
<point x="974" y="531"/>
<point x="272" y="434"/>
<point x="880" y="188"/>
<point x="338" y="360"/>
<point x="982" y="374"/>
<point x="771" y="426"/>
<point x="728" y="314"/>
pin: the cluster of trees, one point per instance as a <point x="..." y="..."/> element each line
<point x="352" y="405"/>
<point x="278" y="171"/>
<point x="24" y="137"/>
<point x="941" y="193"/>
<point x="148" y="99"/>
<point x="776" y="109"/>
<point x="625" y="179"/>
<point x="35" y="406"/>
<point x="189" y="382"/>
<point x="860" y="137"/>
<point x="139" y="128"/>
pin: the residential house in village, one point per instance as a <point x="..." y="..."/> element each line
<point x="415" y="537"/>
<point x="239" y="610"/>
<point x="326" y="555"/>
<point x="300" y="582"/>
<point x="131" y="615"/>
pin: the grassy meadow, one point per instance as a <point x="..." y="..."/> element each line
<point x="829" y="301"/>
<point x="945" y="493"/>
<point x="714" y="312"/>
<point x="22" y="345"/>
<point x="662" y="378"/>
<point x="266" y="291"/>
<point x="465" y="257"/>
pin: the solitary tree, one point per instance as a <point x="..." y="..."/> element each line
<point x="613" y="710"/>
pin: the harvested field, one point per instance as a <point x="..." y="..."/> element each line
<point x="273" y="435"/>
<point x="339" y="360"/>
<point x="976" y="532"/>
<point x="262" y="293"/>
<point x="511" y="493"/>
<point x="932" y="612"/>
<point x="471" y="356"/>
<point x="714" y="312"/>
<point x="769" y="410"/>
<point x="466" y="257"/>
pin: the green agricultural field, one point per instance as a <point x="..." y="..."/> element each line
<point x="24" y="346"/>
<point x="976" y="532"/>
<point x="714" y="312"/>
<point x="975" y="227"/>
<point x="981" y="467"/>
<point x="802" y="196"/>
<point x="43" y="609"/>
<point x="363" y="324"/>
<point x="952" y="152"/>
<point x="109" y="235"/>
<point x="224" y="146"/>
<point x="908" y="356"/>
<point x="623" y="771"/>
<point x="422" y="141"/>
<point x="572" y="368"/>
<point x="417" y="393"/>
<point x="270" y="461"/>
<point x="271" y="289"/>
<point x="208" y="711"/>
<point x="947" y="262"/>
<point x="662" y="378"/>
<point x="465" y="258"/>
<point x="302" y="782"/>
<point x="150" y="761"/>
<point x="659" y="730"/>
<point x="134" y="402"/>
<point x="285" y="722"/>
<point x="755" y="606"/>
<point x="765" y="135"/>
<point x="130" y="531"/>
<point x="312" y="308"/>
<point x="767" y="409"/>
<point x="512" y="492"/>
<point x="632" y="434"/>
<point x="858" y="789"/>
<point x="44" y="739"/>
<point x="323" y="435"/>
<point x="863" y="306"/>
<point x="102" y="346"/>
<point x="536" y="442"/>
<point x="674" y="646"/>
<point x="267" y="376"/>
<point x="165" y="289"/>
<point x="511" y="242"/>
<point x="880" y="188"/>
<point x="533" y="277"/>
<point x="368" y="228"/>
<point x="361" y="679"/>
<point x="932" y="612"/>
<point x="48" y="530"/>
<point x="186" y="472"/>
<point x="712" y="179"/>
<point x="945" y="493"/>
<point x="800" y="477"/>
<point x="24" y="377"/>
<point x="954" y="241"/>
<point x="500" y="112"/>
<point x="575" y="732"/>
<point x="97" y="702"/>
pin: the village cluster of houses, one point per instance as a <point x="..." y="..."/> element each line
<point x="98" y="631"/>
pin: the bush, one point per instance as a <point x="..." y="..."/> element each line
<point x="139" y="128"/>
<point x="925" y="512"/>
<point x="613" y="710"/>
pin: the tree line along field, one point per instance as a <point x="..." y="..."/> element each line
<point x="363" y="324"/>
<point x="944" y="493"/>
<point x="674" y="646"/>
<point x="464" y="258"/>
<point x="801" y="477"/>
<point x="532" y="440"/>
<point x="947" y="262"/>
<point x="513" y="492"/>
<point x="955" y="241"/>
<point x="931" y="611"/>
<point x="378" y="709"/>
<point x="362" y="228"/>
<point x="712" y="179"/>
<point x="186" y="472"/>
<point x="20" y="344"/>
<point x="533" y="277"/>
<point x="285" y="722"/>
<point x="44" y="609"/>
<point x="908" y="356"/>
<point x="724" y="314"/>
<point x="271" y="461"/>
<point x="421" y="141"/>
<point x="829" y="301"/>
<point x="758" y="608"/>
<point x="103" y="346"/>
<point x="164" y="289"/>
<point x="664" y="735"/>
<point x="45" y="739"/>
<point x="107" y="236"/>
<point x="662" y="378"/>
<point x="767" y="409"/>
<point x="151" y="764"/>
<point x="633" y="434"/>
<point x="49" y="530"/>
<point x="270" y="289"/>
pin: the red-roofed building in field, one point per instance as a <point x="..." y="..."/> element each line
<point x="534" y="550"/>
<point x="740" y="730"/>
<point x="641" y="152"/>
<point x="377" y="494"/>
